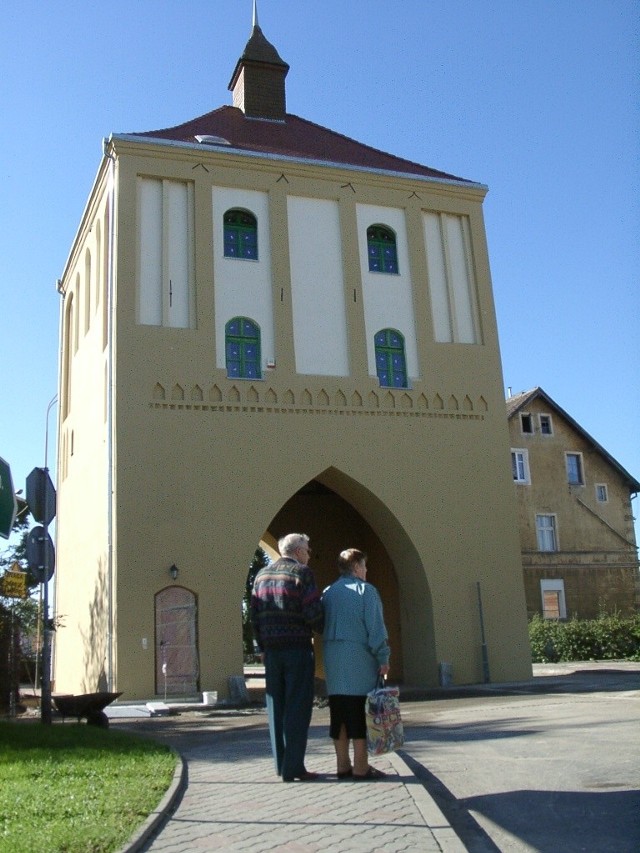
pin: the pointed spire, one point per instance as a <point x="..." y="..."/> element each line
<point x="257" y="82"/>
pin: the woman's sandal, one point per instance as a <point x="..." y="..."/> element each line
<point x="372" y="773"/>
<point x="345" y="774"/>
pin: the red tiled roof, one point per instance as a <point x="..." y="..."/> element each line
<point x="296" y="137"/>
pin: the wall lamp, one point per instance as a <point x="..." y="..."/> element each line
<point x="173" y="571"/>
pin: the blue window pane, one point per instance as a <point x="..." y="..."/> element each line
<point x="240" y="235"/>
<point x="230" y="244"/>
<point x="381" y="249"/>
<point x="249" y="245"/>
<point x="380" y="339"/>
<point x="242" y="348"/>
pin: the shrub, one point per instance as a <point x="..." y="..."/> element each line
<point x="606" y="638"/>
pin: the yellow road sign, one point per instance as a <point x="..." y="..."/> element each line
<point x="14" y="585"/>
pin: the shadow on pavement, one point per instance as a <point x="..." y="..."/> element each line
<point x="461" y="821"/>
<point x="606" y="821"/>
<point x="579" y="681"/>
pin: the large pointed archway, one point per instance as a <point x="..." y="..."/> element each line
<point x="338" y="513"/>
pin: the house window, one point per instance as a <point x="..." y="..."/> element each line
<point x="242" y="348"/>
<point x="553" y="599"/>
<point x="602" y="493"/>
<point x="520" y="466"/>
<point x="390" y="360"/>
<point x="526" y="423"/>
<point x="546" y="426"/>
<point x="546" y="533"/>
<point x="240" y="235"/>
<point x="575" y="473"/>
<point x="381" y="248"/>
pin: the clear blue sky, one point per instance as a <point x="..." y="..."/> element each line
<point x="539" y="100"/>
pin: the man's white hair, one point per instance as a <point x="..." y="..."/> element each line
<point x="289" y="544"/>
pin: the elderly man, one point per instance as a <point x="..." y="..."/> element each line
<point x="285" y="610"/>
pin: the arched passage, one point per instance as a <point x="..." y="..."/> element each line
<point x="337" y="513"/>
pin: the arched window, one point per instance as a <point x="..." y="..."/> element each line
<point x="240" y="235"/>
<point x="242" y="348"/>
<point x="87" y="290"/>
<point x="67" y="355"/>
<point x="391" y="365"/>
<point x="381" y="248"/>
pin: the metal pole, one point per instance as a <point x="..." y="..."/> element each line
<point x="38" y="626"/>
<point x="485" y="656"/>
<point x="45" y="695"/>
<point x="12" y="665"/>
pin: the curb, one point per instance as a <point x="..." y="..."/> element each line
<point x="440" y="827"/>
<point x="163" y="809"/>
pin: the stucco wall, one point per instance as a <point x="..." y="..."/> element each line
<point x="205" y="467"/>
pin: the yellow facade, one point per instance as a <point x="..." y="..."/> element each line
<point x="166" y="460"/>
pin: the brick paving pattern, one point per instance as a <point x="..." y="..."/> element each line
<point x="234" y="801"/>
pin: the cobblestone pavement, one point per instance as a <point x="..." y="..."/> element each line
<point x="234" y="801"/>
<point x="544" y="765"/>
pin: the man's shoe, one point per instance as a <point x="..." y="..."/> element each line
<point x="305" y="776"/>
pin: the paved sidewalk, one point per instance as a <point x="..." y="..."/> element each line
<point x="234" y="801"/>
<point x="547" y="764"/>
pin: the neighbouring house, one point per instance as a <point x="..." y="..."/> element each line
<point x="579" y="552"/>
<point x="269" y="327"/>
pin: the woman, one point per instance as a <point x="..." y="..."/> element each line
<point x="356" y="653"/>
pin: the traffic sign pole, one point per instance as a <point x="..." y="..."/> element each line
<point x="45" y="693"/>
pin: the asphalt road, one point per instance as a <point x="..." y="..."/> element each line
<point x="551" y="765"/>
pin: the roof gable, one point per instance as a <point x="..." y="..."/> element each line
<point x="522" y="401"/>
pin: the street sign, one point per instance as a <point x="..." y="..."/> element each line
<point x="8" y="505"/>
<point x="41" y="496"/>
<point x="40" y="551"/>
<point x="14" y="585"/>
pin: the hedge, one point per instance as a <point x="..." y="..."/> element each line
<point x="605" y="638"/>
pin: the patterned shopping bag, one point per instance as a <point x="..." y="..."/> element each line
<point x="385" y="731"/>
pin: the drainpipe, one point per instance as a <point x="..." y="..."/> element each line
<point x="110" y="301"/>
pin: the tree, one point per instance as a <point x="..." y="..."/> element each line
<point x="18" y="616"/>
<point x="25" y="610"/>
<point x="260" y="559"/>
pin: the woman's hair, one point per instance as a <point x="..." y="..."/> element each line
<point x="289" y="544"/>
<point x="348" y="559"/>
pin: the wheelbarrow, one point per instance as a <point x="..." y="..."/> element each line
<point x="88" y="705"/>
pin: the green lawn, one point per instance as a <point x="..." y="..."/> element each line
<point x="69" y="788"/>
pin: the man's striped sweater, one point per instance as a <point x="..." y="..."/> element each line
<point x="285" y="606"/>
